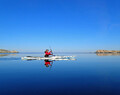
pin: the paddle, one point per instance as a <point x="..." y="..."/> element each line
<point x="51" y="51"/>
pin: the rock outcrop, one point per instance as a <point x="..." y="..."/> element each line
<point x="14" y="51"/>
<point x="107" y="51"/>
<point x="7" y="51"/>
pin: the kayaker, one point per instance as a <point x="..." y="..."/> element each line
<point x="47" y="53"/>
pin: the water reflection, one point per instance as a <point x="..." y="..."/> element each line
<point x="48" y="63"/>
<point x="2" y="55"/>
<point x="108" y="54"/>
<point x="8" y="57"/>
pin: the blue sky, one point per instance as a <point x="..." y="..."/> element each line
<point x="65" y="25"/>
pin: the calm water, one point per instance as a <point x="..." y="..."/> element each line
<point x="90" y="74"/>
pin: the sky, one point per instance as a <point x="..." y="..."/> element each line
<point x="63" y="25"/>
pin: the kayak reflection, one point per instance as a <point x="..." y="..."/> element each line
<point x="48" y="63"/>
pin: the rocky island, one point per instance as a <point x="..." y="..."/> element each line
<point x="107" y="51"/>
<point x="7" y="51"/>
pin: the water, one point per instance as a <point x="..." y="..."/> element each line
<point x="90" y="74"/>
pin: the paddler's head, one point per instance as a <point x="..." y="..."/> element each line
<point x="47" y="50"/>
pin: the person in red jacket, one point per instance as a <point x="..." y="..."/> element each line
<point x="47" y="53"/>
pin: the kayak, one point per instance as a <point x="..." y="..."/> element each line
<point x="49" y="58"/>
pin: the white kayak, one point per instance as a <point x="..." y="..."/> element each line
<point x="49" y="58"/>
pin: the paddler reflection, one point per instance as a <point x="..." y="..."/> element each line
<point x="48" y="63"/>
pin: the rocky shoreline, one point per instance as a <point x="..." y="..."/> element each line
<point x="7" y="51"/>
<point x="107" y="51"/>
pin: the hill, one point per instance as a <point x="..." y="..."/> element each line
<point x="7" y="51"/>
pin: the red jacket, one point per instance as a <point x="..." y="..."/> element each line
<point x="47" y="63"/>
<point x="48" y="53"/>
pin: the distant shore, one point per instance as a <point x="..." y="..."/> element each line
<point x="107" y="51"/>
<point x="7" y="51"/>
<point x="98" y="51"/>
